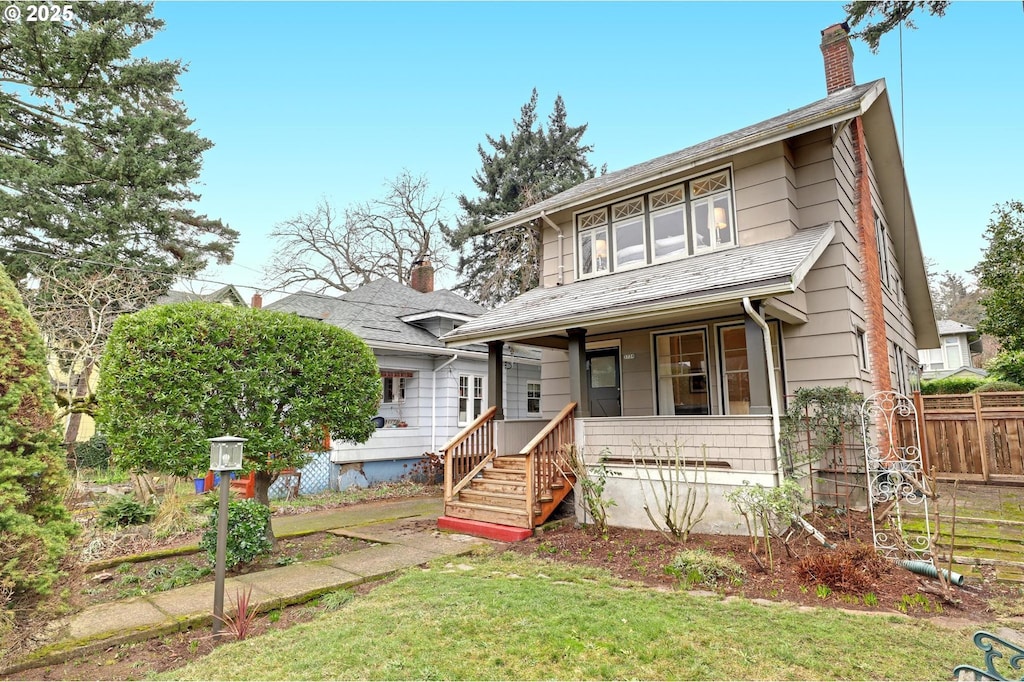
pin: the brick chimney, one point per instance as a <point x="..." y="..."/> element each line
<point x="421" y="276"/>
<point x="257" y="301"/>
<point x="835" y="47"/>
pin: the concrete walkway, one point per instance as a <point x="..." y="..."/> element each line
<point x="405" y="531"/>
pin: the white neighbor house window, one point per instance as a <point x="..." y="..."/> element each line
<point x="394" y="390"/>
<point x="673" y="222"/>
<point x="471" y="398"/>
<point x="533" y="397"/>
<point x="952" y="347"/>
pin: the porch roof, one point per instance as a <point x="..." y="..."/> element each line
<point x="759" y="270"/>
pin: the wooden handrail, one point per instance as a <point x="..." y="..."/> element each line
<point x="551" y="426"/>
<point x="473" y="426"/>
<point x="469" y="452"/>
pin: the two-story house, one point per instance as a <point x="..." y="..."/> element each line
<point x="954" y="356"/>
<point x="683" y="298"/>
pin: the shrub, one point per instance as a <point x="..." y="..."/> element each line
<point x="35" y="525"/>
<point x="126" y="511"/>
<point x="247" y="533"/>
<point x="850" y="568"/>
<point x="93" y="453"/>
<point x="950" y="385"/>
<point x="997" y="386"/>
<point x="701" y="567"/>
<point x="1007" y="365"/>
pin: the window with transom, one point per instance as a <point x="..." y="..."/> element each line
<point x="686" y="219"/>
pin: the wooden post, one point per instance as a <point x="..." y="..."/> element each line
<point x="922" y="442"/>
<point x="982" y="440"/>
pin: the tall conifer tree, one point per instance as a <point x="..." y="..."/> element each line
<point x="530" y="165"/>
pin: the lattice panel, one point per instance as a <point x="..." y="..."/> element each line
<point x="316" y="478"/>
<point x="593" y="219"/>
<point x="712" y="183"/>
<point x="1002" y="400"/>
<point x="627" y="209"/>
<point x="668" y="197"/>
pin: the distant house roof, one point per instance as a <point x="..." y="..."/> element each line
<point x="765" y="269"/>
<point x="374" y="311"/>
<point x="226" y="293"/>
<point x="950" y="327"/>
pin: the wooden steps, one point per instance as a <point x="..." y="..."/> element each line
<point x="498" y="495"/>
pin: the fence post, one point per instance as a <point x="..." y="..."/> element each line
<point x="982" y="440"/>
<point x="922" y="442"/>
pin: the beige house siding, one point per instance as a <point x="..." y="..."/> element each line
<point x="779" y="188"/>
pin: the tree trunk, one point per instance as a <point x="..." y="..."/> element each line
<point x="262" y="495"/>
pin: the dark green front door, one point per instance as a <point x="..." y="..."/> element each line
<point x="603" y="381"/>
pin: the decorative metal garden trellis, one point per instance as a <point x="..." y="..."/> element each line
<point x="895" y="474"/>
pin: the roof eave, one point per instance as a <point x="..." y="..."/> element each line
<point x="826" y="118"/>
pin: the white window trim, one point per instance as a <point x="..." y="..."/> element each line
<point x="529" y="385"/>
<point x="470" y="397"/>
<point x="720" y="370"/>
<point x="649" y="259"/>
<point x="710" y="362"/>
<point x="401" y="389"/>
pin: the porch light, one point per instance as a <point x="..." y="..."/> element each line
<point x="601" y="248"/>
<point x="226" y="453"/>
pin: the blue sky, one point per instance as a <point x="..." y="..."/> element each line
<point x="305" y="100"/>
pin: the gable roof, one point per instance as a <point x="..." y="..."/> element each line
<point x="838" y="107"/>
<point x="374" y="311"/>
<point x="227" y="292"/>
<point x="759" y="270"/>
<point x="950" y="327"/>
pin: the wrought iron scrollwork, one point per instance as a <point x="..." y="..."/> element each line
<point x="895" y="474"/>
<point x="988" y="644"/>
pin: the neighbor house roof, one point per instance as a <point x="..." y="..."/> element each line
<point x="951" y="327"/>
<point x="373" y="312"/>
<point x="227" y="292"/>
<point x="835" y="108"/>
<point x="759" y="270"/>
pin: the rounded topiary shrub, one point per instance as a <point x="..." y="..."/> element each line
<point x="247" y="533"/>
<point x="93" y="453"/>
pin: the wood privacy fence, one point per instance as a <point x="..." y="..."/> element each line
<point x="973" y="437"/>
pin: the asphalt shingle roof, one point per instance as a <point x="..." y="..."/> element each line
<point x="949" y="327"/>
<point x="373" y="312"/>
<point x="729" y="272"/>
<point x="847" y="101"/>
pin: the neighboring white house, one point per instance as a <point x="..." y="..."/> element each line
<point x="954" y="357"/>
<point x="429" y="391"/>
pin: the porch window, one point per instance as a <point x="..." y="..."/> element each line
<point x="471" y="398"/>
<point x="682" y="373"/>
<point x="735" y="370"/>
<point x="533" y="397"/>
<point x="677" y="221"/>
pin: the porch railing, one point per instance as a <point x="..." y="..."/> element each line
<point x="547" y="457"/>
<point x="468" y="453"/>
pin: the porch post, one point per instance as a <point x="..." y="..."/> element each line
<point x="495" y="375"/>
<point x="757" y="365"/>
<point x="578" y="390"/>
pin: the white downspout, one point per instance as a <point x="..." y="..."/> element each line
<point x="773" y="389"/>
<point x="556" y="228"/>
<point x="433" y="400"/>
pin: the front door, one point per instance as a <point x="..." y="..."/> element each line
<point x="603" y="382"/>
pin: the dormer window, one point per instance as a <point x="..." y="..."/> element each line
<point x="670" y="223"/>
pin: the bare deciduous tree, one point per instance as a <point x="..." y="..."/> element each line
<point x="324" y="251"/>
<point x="75" y="314"/>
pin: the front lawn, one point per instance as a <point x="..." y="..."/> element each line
<point x="518" y="617"/>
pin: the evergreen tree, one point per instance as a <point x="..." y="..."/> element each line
<point x="1001" y="276"/>
<point x="525" y="168"/>
<point x="891" y="13"/>
<point x="35" y="525"/>
<point x="96" y="158"/>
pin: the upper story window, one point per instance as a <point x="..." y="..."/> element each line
<point x="682" y="220"/>
<point x="883" y="248"/>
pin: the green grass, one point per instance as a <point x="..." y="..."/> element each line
<point x="515" y="617"/>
